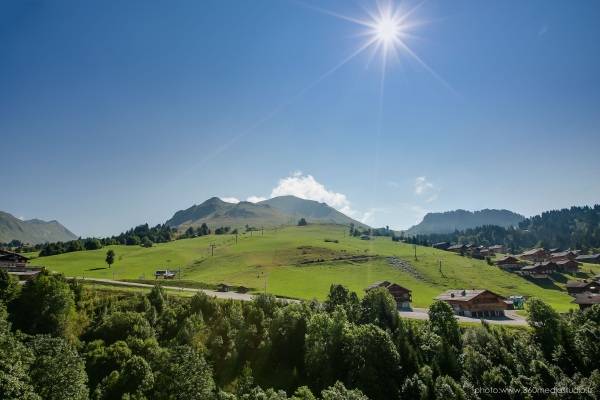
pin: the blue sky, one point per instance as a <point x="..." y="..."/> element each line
<point x="117" y="113"/>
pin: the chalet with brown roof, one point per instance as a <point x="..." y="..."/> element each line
<point x="509" y="263"/>
<point x="10" y="259"/>
<point x="534" y="255"/>
<point x="402" y="295"/>
<point x="497" y="248"/>
<point x="475" y="303"/>
<point x="570" y="266"/>
<point x="563" y="256"/>
<point x="539" y="270"/>
<point x="15" y="264"/>
<point x="457" y="248"/>
<point x="576" y="287"/>
<point x="589" y="258"/>
<point x="441" y="245"/>
<point x="587" y="299"/>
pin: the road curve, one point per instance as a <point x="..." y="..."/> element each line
<point x="512" y="318"/>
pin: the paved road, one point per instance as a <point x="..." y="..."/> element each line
<point x="512" y="318"/>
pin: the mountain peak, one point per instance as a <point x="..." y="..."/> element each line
<point x="281" y="210"/>
<point x="450" y="221"/>
<point x="33" y="231"/>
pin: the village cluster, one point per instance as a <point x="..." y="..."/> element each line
<point x="540" y="263"/>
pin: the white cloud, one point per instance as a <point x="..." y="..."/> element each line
<point x="425" y="188"/>
<point x="307" y="187"/>
<point x="422" y="185"/>
<point x="255" y="199"/>
<point x="230" y="200"/>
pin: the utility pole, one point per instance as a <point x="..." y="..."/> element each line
<point x="212" y="249"/>
<point x="264" y="276"/>
<point x="236" y="235"/>
<point x="415" y="246"/>
<point x="262" y="231"/>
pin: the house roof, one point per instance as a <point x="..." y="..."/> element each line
<point x="456" y="247"/>
<point x="563" y="254"/>
<point x="541" y="265"/>
<point x="9" y="255"/>
<point x="587" y="298"/>
<point x="532" y="252"/>
<point x="580" y="284"/>
<point x="496" y="246"/>
<point x="588" y="257"/>
<point x="462" y="294"/>
<point x="507" y="259"/>
<point x="378" y="284"/>
<point x="399" y="287"/>
<point x="566" y="262"/>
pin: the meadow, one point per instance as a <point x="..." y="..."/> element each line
<point x="302" y="262"/>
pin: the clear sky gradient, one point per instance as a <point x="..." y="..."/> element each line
<point x="116" y="113"/>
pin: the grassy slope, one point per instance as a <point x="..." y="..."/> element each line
<point x="278" y="255"/>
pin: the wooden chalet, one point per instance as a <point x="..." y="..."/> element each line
<point x="570" y="266"/>
<point x="441" y="245"/>
<point x="576" y="287"/>
<point x="539" y="270"/>
<point x="497" y="248"/>
<point x="457" y="248"/>
<point x="589" y="258"/>
<point x="402" y="295"/>
<point x="10" y="259"/>
<point x="15" y="264"/>
<point x="509" y="263"/>
<point x="534" y="255"/>
<point x="486" y="252"/>
<point x="475" y="303"/>
<point x="587" y="299"/>
<point x="563" y="256"/>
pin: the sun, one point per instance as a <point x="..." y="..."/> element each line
<point x="387" y="30"/>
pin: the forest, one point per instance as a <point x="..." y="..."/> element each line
<point x="62" y="340"/>
<point x="574" y="228"/>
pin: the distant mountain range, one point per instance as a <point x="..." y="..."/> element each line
<point x="283" y="210"/>
<point x="450" y="221"/>
<point x="33" y="231"/>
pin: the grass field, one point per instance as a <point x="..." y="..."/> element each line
<point x="299" y="262"/>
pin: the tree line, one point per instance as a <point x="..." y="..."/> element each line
<point x="60" y="340"/>
<point x="574" y="228"/>
<point x="141" y="235"/>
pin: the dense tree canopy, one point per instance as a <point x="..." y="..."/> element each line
<point x="156" y="346"/>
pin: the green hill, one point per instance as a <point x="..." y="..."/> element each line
<point x="33" y="231"/>
<point x="284" y="210"/>
<point x="303" y="262"/>
<point x="450" y="221"/>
